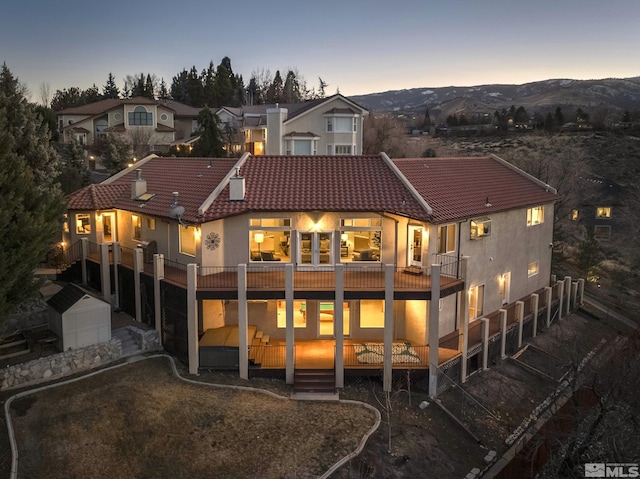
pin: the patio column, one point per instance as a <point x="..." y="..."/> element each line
<point x="388" y="327"/>
<point x="116" y="262"/>
<point x="84" y="242"/>
<point x="535" y="301"/>
<point x="520" y="319"/>
<point x="580" y="291"/>
<point x="290" y="336"/>
<point x="138" y="268"/>
<point x="567" y="288"/>
<point x="192" y="317"/>
<point x="463" y="300"/>
<point x="338" y="325"/>
<point x="485" y="343"/>
<point x="548" y="296"/>
<point x="574" y="294"/>
<point x="434" y="330"/>
<point x="158" y="275"/>
<point x="105" y="276"/>
<point x="560" y="286"/>
<point x="243" y="322"/>
<point x="503" y="333"/>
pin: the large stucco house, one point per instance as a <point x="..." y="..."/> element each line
<point x="161" y="123"/>
<point x="333" y="264"/>
<point x="326" y="126"/>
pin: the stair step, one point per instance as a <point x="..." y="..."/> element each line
<point x="314" y="380"/>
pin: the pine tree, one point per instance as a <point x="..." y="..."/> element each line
<point x="210" y="142"/>
<point x="31" y="200"/>
<point x="195" y="90"/>
<point x="149" y="89"/>
<point x="179" y="87"/>
<point x="116" y="154"/>
<point x="110" y="90"/>
<point x="163" y="94"/>
<point x="224" y="84"/>
<point x="274" y="93"/>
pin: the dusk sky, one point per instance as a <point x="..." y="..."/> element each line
<point x="356" y="46"/>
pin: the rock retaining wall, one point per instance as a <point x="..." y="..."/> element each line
<point x="61" y="364"/>
<point x="146" y="340"/>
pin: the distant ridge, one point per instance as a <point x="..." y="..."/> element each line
<point x="611" y="96"/>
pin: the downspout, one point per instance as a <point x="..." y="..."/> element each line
<point x="458" y="270"/>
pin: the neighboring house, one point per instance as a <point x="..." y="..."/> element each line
<point x="351" y="263"/>
<point x="327" y="126"/>
<point x="159" y="123"/>
<point x="603" y="208"/>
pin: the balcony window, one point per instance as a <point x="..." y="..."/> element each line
<point x="476" y="302"/>
<point x="360" y="239"/>
<point x="372" y="313"/>
<point x="535" y="216"/>
<point x="136" y="227"/>
<point x="480" y="227"/>
<point x="188" y="240"/>
<point x="603" y="212"/>
<point x="446" y="239"/>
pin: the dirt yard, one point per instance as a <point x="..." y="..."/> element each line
<point x="140" y="421"/>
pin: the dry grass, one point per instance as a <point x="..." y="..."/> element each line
<point x="140" y="421"/>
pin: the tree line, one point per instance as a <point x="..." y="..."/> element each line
<point x="214" y="86"/>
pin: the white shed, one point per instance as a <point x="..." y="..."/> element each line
<point x="78" y="319"/>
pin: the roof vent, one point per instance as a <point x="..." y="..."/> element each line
<point x="138" y="186"/>
<point x="236" y="187"/>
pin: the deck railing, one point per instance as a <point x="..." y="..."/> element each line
<point x="371" y="355"/>
<point x="73" y="253"/>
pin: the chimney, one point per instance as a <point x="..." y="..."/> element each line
<point x="138" y="186"/>
<point x="236" y="187"/>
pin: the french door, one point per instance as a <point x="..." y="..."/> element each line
<point x="315" y="248"/>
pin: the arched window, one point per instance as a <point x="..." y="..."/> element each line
<point x="140" y="117"/>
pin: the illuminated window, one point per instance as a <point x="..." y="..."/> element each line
<point x="533" y="269"/>
<point x="270" y="222"/>
<point x="480" y="227"/>
<point x="603" y="212"/>
<point x="476" y="302"/>
<point x="83" y="224"/>
<point x="270" y="239"/>
<point x="151" y="223"/>
<point x="299" y="314"/>
<point x="535" y="216"/>
<point x="574" y="215"/>
<point x="187" y="240"/>
<point x="372" y="313"/>
<point x="136" y="227"/>
<point x="360" y="239"/>
<point x="446" y="239"/>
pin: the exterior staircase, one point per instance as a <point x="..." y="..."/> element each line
<point x="129" y="345"/>
<point x="321" y="381"/>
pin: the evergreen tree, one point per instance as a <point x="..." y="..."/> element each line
<point x="91" y="95"/>
<point x="195" y="90"/>
<point x="238" y="91"/>
<point x="67" y="98"/>
<point x="291" y="89"/>
<point x="149" y="88"/>
<point x="179" y="87"/>
<point x="31" y="200"/>
<point x="163" y="94"/>
<point x="224" y="84"/>
<point x="209" y="85"/>
<point x="322" y="86"/>
<point x="426" y="124"/>
<point x="73" y="172"/>
<point x="210" y="142"/>
<point x="116" y="153"/>
<point x="110" y="90"/>
<point x="559" y="117"/>
<point x="274" y="93"/>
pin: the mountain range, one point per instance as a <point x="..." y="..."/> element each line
<point x="608" y="97"/>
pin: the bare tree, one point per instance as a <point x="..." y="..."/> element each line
<point x="139" y="138"/>
<point x="45" y="94"/>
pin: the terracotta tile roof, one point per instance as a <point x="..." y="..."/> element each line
<point x="458" y="188"/>
<point x="273" y="183"/>
<point x="318" y="183"/>
<point x="95" y="197"/>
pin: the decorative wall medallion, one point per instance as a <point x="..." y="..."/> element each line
<point x="212" y="241"/>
